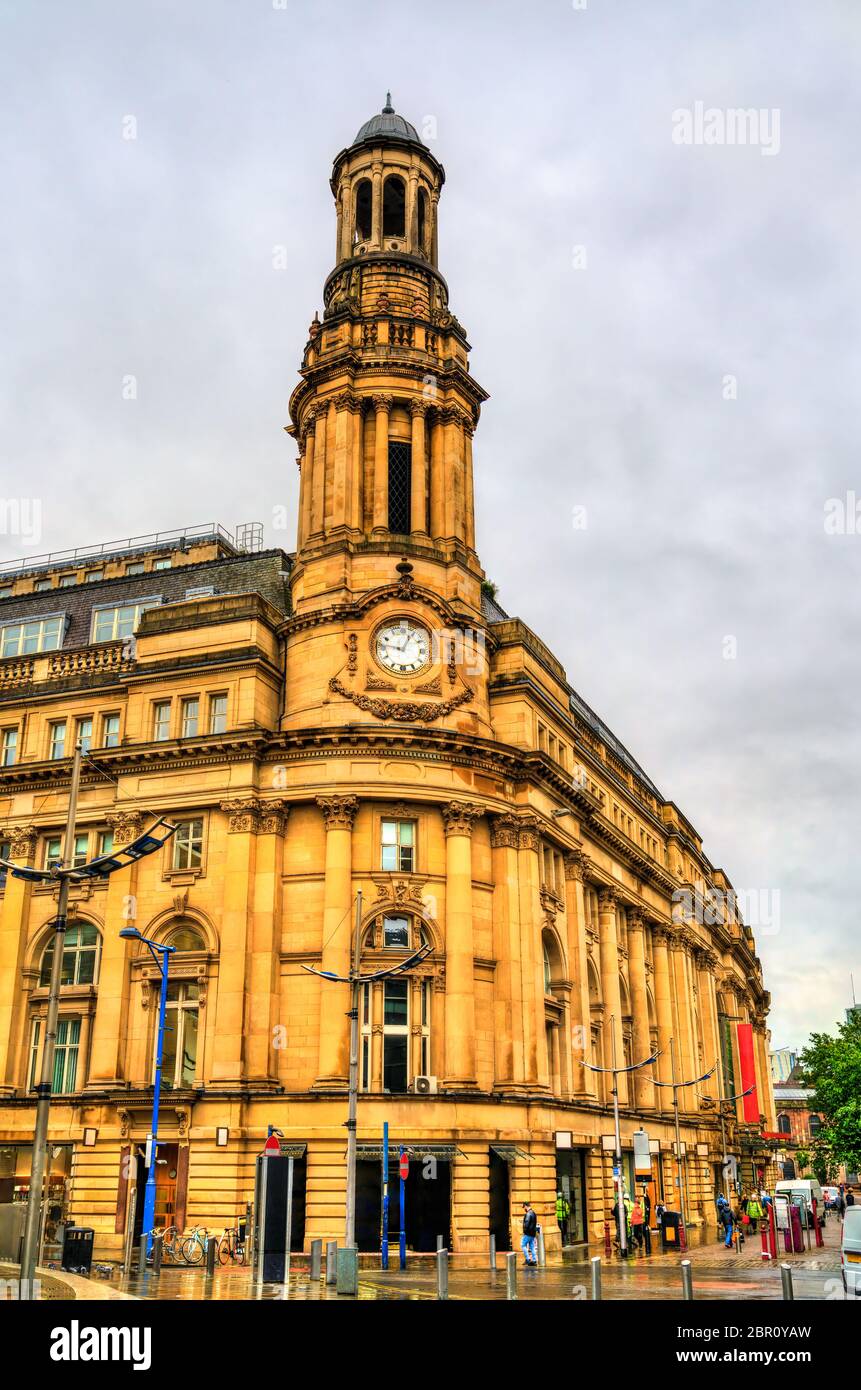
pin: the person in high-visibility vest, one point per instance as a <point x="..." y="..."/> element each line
<point x="563" y="1212"/>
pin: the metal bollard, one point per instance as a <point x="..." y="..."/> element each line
<point x="542" y="1257"/>
<point x="493" y="1252"/>
<point x="142" y="1254"/>
<point x="440" y="1243"/>
<point x="511" y="1275"/>
<point x="348" y="1270"/>
<point x="211" y="1252"/>
<point x="687" y="1281"/>
<point x="331" y="1262"/>
<point x="316" y="1259"/>
<point x="786" y="1281"/>
<point x="442" y="1274"/>
<point x="157" y="1251"/>
<point x="596" y="1278"/>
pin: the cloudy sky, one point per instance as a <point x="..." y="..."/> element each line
<point x="668" y="332"/>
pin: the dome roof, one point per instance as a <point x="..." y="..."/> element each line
<point x="388" y="125"/>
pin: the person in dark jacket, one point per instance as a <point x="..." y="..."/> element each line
<point x="530" y="1231"/>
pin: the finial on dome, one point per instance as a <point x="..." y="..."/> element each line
<point x="388" y="109"/>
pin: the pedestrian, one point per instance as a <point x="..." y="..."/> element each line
<point x="754" y="1211"/>
<point x="724" y="1211"/>
<point x="530" y="1231"/>
<point x="563" y="1212"/>
<point x="738" y="1226"/>
<point x="647" y="1209"/>
<point x="637" y="1222"/>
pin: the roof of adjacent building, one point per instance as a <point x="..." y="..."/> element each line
<point x="388" y="125"/>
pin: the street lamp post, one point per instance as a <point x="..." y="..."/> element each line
<point x="30" y="1251"/>
<point x="132" y="934"/>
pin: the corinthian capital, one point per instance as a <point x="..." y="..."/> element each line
<point x="23" y="838"/>
<point x="504" y="832"/>
<point x="382" y="401"/>
<point x="339" y="812"/>
<point x="459" y="817"/>
<point x="243" y="815"/>
<point x="576" y="865"/>
<point x="419" y="407"/>
<point x="126" y="825"/>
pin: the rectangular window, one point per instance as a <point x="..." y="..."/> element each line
<point x="35" y="635"/>
<point x="53" y="851"/>
<point x="81" y="849"/>
<point x="84" y="733"/>
<point x="217" y="714"/>
<point x="161" y="721"/>
<point x="66" y="1055"/>
<point x="398" y="846"/>
<point x="34" y="1052"/>
<point x="92" y="576"/>
<point x="112" y="624"/>
<point x="136" y="567"/>
<point x="161" y="564"/>
<point x="400" y="482"/>
<point x="8" y="747"/>
<point x="395" y="1034"/>
<point x="190" y="718"/>
<point x="42" y="585"/>
<point x="110" y="730"/>
<point x="188" y="845"/>
<point x="58" y="739"/>
<point x="6" y="591"/>
<point x="396" y="932"/>
<point x="5" y="853"/>
<point x="106" y="842"/>
<point x="67" y="580"/>
<point x="179" y="1055"/>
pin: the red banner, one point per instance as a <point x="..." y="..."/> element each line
<point x="748" y="1072"/>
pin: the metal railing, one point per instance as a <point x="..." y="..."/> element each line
<point x="210" y="530"/>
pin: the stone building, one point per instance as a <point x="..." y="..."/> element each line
<point x="359" y="716"/>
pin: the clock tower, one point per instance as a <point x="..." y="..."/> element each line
<point x="386" y="587"/>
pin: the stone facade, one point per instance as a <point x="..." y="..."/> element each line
<point x="382" y="728"/>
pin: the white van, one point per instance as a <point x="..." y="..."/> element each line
<point x="808" y="1188"/>
<point x="850" y="1251"/>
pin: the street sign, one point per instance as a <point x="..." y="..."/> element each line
<point x="148" y="1156"/>
<point x="272" y="1145"/>
<point x="642" y="1154"/>
<point x="404" y="1167"/>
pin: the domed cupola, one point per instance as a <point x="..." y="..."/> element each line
<point x="388" y="125"/>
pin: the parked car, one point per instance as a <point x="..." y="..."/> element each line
<point x="808" y="1188"/>
<point x="850" y="1251"/>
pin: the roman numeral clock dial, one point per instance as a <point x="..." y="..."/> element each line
<point x="403" y="647"/>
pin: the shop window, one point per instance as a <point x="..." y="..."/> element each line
<point x="80" y="956"/>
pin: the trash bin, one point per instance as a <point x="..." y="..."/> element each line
<point x="670" y="1224"/>
<point x="78" y="1250"/>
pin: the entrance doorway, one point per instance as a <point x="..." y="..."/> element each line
<point x="427" y="1204"/>
<point x="500" y="1201"/>
<point x="571" y="1180"/>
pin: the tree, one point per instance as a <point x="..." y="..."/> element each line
<point x="832" y="1067"/>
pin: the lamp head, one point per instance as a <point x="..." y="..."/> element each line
<point x="130" y="934"/>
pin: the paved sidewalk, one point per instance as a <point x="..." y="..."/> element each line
<point x="58" y="1286"/>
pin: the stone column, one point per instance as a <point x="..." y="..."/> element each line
<point x="469" y="488"/>
<point x="644" y="1089"/>
<point x="264" y="972"/>
<point x="228" y="1054"/>
<point x="453" y="473"/>
<point x="508" y="981"/>
<point x="459" y="817"/>
<point x="339" y="812"/>
<point x="317" y="445"/>
<point x="110" y="1027"/>
<point x="706" y="961"/>
<point x="382" y="406"/>
<point x="582" y="1080"/>
<point x="664" y="1013"/>
<point x="531" y="955"/>
<point x="682" y="1033"/>
<point x="14" y="915"/>
<point x="437" y="478"/>
<point x="435" y="228"/>
<point x="377" y="206"/>
<point x="418" y="481"/>
<point x="610" y="988"/>
<point x="411" y="211"/>
<point x="357" y="494"/>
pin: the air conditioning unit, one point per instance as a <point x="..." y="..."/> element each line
<point x="425" y="1085"/>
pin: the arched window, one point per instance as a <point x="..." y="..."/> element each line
<point x="363" y="210"/>
<point x="80" y="956"/>
<point x="186" y="938"/>
<point x="423" y="222"/>
<point x="548" y="972"/>
<point x="394" y="206"/>
<point x="784" y="1125"/>
<point x="815" y="1124"/>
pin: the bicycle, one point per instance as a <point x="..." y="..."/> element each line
<point x="231" y="1246"/>
<point x="193" y="1248"/>
<point x="171" y="1239"/>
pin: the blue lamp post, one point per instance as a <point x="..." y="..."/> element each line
<point x="132" y="934"/>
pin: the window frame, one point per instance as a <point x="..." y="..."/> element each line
<point x="40" y="620"/>
<point x="156" y="723"/>
<point x="178" y="840"/>
<point x="211" y="714"/>
<point x="142" y="604"/>
<point x="398" y="822"/>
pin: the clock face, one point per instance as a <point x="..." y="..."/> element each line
<point x="402" y="647"/>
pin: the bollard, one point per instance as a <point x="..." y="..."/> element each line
<point x="157" y="1251"/>
<point x="442" y="1274"/>
<point x="316" y="1259"/>
<point x="440" y="1243"/>
<point x="348" y="1270"/>
<point x="142" y="1254"/>
<point x="511" y="1275"/>
<point x="542" y="1257"/>
<point x="596" y="1278"/>
<point x="211" y="1252"/>
<point x="331" y="1262"/>
<point x="786" y="1281"/>
<point x="493" y="1252"/>
<point x="687" y="1281"/>
<point x="647" y="1237"/>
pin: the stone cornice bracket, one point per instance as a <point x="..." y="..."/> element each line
<point x="504" y="832"/>
<point x="126" y="826"/>
<point x="273" y="817"/>
<point x="243" y="815"/>
<point x="23" y="838"/>
<point x="339" y="812"/>
<point x="459" y="817"/>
